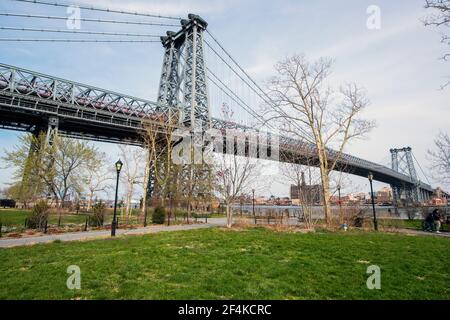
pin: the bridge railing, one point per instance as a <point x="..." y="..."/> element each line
<point x="30" y="83"/>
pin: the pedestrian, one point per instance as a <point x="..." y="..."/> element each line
<point x="437" y="219"/>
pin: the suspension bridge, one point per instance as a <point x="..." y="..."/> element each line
<point x="197" y="79"/>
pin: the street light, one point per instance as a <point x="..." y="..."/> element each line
<point x="254" y="216"/>
<point x="375" y="222"/>
<point x="119" y="165"/>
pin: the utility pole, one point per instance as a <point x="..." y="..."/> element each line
<point x="375" y="222"/>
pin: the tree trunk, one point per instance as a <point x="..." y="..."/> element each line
<point x="91" y="196"/>
<point x="326" y="195"/>
<point x="229" y="215"/>
<point x="189" y="211"/>
<point x="325" y="186"/>
<point x="128" y="204"/>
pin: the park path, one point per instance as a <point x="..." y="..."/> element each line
<point x="90" y="235"/>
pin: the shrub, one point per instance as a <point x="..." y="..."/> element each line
<point x="98" y="217"/>
<point x="39" y="216"/>
<point x="159" y="215"/>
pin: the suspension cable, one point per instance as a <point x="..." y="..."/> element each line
<point x="20" y="15"/>
<point x="420" y="167"/>
<point x="247" y="109"/>
<point x="271" y="103"/>
<point x="81" y="32"/>
<point x="92" y="8"/>
<point x="244" y="105"/>
<point x="75" y="40"/>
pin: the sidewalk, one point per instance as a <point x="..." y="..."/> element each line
<point x="90" y="235"/>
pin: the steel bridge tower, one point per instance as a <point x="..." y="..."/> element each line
<point x="183" y="83"/>
<point x="402" y="162"/>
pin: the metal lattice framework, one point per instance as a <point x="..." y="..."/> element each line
<point x="169" y="86"/>
<point x="35" y="102"/>
<point x="402" y="162"/>
<point x="183" y="81"/>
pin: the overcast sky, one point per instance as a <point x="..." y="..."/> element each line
<point x="397" y="64"/>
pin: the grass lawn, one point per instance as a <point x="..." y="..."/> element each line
<point x="16" y="217"/>
<point x="415" y="224"/>
<point x="13" y="217"/>
<point x="253" y="263"/>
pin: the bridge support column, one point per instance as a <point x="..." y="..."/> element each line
<point x="52" y="130"/>
<point x="396" y="192"/>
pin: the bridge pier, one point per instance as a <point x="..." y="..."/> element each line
<point x="396" y="192"/>
<point x="52" y="130"/>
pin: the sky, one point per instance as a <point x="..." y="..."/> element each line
<point x="398" y="63"/>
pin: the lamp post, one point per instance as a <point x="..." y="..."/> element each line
<point x="253" y="204"/>
<point x="375" y="222"/>
<point x="119" y="165"/>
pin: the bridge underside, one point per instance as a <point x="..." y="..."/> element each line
<point x="32" y="115"/>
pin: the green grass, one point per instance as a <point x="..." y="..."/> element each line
<point x="13" y="217"/>
<point x="16" y="218"/>
<point x="406" y="224"/>
<point x="218" y="264"/>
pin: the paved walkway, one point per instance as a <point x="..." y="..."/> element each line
<point x="90" y="235"/>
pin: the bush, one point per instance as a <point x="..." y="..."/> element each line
<point x="98" y="217"/>
<point x="159" y="215"/>
<point x="39" y="216"/>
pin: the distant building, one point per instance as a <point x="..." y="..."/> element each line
<point x="260" y="200"/>
<point x="361" y="196"/>
<point x="440" y="197"/>
<point x="384" y="195"/>
<point x="311" y="194"/>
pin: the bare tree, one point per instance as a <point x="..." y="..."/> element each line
<point x="440" y="158"/>
<point x="235" y="176"/>
<point x="69" y="160"/>
<point x="439" y="17"/>
<point x="160" y="139"/>
<point x="96" y="178"/>
<point x="311" y="111"/>
<point x="132" y="172"/>
<point x="303" y="177"/>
